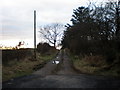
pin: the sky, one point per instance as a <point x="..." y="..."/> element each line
<point x="16" y="18"/>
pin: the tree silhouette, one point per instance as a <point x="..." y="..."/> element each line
<point x="94" y="29"/>
<point x="52" y="33"/>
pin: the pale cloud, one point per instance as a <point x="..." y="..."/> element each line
<point x="16" y="16"/>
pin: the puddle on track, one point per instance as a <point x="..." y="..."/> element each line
<point x="56" y="62"/>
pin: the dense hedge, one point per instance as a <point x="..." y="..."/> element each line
<point x="19" y="54"/>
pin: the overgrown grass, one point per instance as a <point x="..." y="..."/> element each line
<point x="95" y="65"/>
<point x="16" y="68"/>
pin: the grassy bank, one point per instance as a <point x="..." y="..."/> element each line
<point x="16" y="68"/>
<point x="95" y="65"/>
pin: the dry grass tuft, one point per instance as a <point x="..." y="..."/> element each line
<point x="95" y="61"/>
<point x="95" y="65"/>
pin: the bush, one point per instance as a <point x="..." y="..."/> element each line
<point x="44" y="48"/>
<point x="95" y="61"/>
<point x="19" y="54"/>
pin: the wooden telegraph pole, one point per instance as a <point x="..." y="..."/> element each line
<point x="35" y="34"/>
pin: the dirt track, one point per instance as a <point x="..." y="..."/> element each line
<point x="66" y="68"/>
<point x="64" y="77"/>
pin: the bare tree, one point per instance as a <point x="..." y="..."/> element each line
<point x="52" y="33"/>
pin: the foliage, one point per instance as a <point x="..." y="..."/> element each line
<point x="17" y="54"/>
<point x="95" y="30"/>
<point x="44" y="48"/>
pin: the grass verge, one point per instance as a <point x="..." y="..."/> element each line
<point x="24" y="67"/>
<point x="95" y="65"/>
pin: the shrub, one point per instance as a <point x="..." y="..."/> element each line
<point x="95" y="61"/>
<point x="19" y="54"/>
<point x="44" y="48"/>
